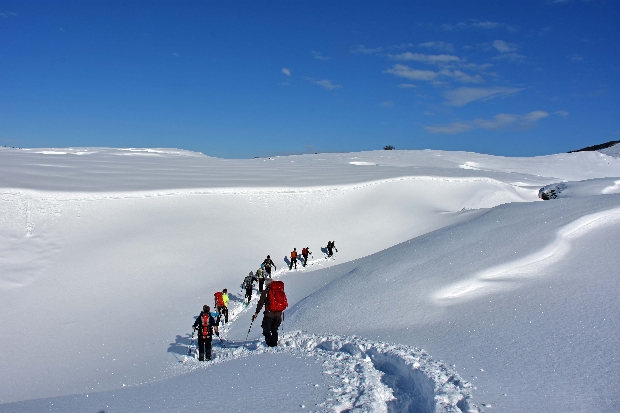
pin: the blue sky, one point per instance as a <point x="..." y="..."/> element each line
<point x="239" y="79"/>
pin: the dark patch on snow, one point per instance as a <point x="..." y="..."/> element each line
<point x="597" y="147"/>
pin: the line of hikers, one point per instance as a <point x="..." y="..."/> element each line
<point x="272" y="297"/>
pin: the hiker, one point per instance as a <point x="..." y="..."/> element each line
<point x="293" y="259"/>
<point x="331" y="245"/>
<point x="221" y="305"/>
<point x="260" y="276"/>
<point x="274" y="300"/>
<point x="248" y="282"/>
<point x="205" y="324"/>
<point x="268" y="263"/>
<point x="304" y="252"/>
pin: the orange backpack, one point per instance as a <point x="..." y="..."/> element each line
<point x="219" y="299"/>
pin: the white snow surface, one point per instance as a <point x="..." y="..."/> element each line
<point x="455" y="288"/>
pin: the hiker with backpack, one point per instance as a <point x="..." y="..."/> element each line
<point x="331" y="245"/>
<point x="205" y="324"/>
<point x="304" y="252"/>
<point x="260" y="276"/>
<point x="268" y="263"/>
<point x="221" y="305"/>
<point x="247" y="284"/>
<point x="275" y="302"/>
<point x="293" y="259"/>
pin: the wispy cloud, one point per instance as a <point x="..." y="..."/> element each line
<point x="487" y="25"/>
<point x="286" y="71"/>
<point x="432" y="76"/>
<point x="409" y="73"/>
<point x="387" y="104"/>
<point x="461" y="76"/>
<point x="407" y="86"/>
<point x="504" y="47"/>
<point x="562" y="113"/>
<point x="500" y="121"/>
<point x="576" y="57"/>
<point x="324" y="83"/>
<point x="319" y="55"/>
<point x="443" y="46"/>
<point x="425" y="58"/>
<point x="511" y="57"/>
<point x="365" y="50"/>
<point x="7" y="14"/>
<point x="464" y="95"/>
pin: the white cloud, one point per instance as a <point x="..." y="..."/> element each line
<point x="504" y="47"/>
<point x="576" y="57"/>
<point x="286" y="71"/>
<point x="319" y="56"/>
<point x="464" y="95"/>
<point x="462" y="76"/>
<point x="387" y="104"/>
<point x="409" y="73"/>
<point x="406" y="85"/>
<point x="425" y="58"/>
<point x="562" y="113"/>
<point x="500" y="121"/>
<point x="324" y="83"/>
<point x="364" y="50"/>
<point x="176" y="54"/>
<point x="446" y="47"/>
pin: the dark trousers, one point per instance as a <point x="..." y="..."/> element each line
<point x="261" y="282"/>
<point x="248" y="293"/>
<point x="222" y="311"/>
<point x="293" y="261"/>
<point x="268" y="270"/>
<point x="204" y="347"/>
<point x="305" y="259"/>
<point x="270" y="327"/>
<point x="329" y="252"/>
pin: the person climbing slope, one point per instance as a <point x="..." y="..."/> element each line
<point x="221" y="305"/>
<point x="293" y="259"/>
<point x="275" y="302"/>
<point x="331" y="245"/>
<point x="268" y="263"/>
<point x="247" y="284"/>
<point x="260" y="276"/>
<point x="205" y="325"/>
<point x="304" y="252"/>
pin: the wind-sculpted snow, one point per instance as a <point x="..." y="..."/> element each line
<point x="489" y="281"/>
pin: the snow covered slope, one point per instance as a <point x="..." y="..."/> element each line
<point x="116" y="251"/>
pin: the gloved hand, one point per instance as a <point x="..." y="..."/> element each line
<point x="254" y="317"/>
<point x="217" y="333"/>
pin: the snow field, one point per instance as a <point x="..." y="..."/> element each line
<point x="107" y="255"/>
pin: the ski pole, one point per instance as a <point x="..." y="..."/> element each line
<point x="223" y="345"/>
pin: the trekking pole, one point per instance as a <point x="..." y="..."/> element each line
<point x="247" y="335"/>
<point x="223" y="345"/>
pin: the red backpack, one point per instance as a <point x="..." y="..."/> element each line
<point x="219" y="299"/>
<point x="276" y="298"/>
<point x="304" y="251"/>
<point x="205" y="325"/>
